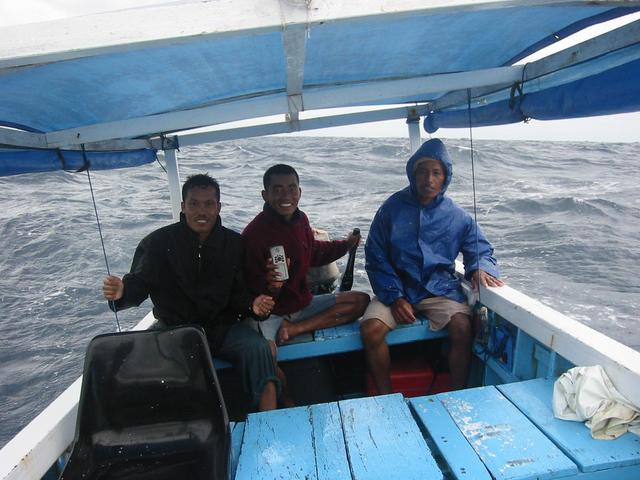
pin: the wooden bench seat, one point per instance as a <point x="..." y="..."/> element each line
<point x="366" y="438"/>
<point x="346" y="338"/>
<point x="506" y="432"/>
<point x="533" y="398"/>
<point x="509" y="432"/>
<point x="501" y="437"/>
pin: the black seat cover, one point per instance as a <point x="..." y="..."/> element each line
<point x="150" y="408"/>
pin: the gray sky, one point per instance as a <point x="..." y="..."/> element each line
<point x="614" y="128"/>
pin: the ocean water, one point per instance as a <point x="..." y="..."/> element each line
<point x="564" y="219"/>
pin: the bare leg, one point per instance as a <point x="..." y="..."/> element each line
<point x="268" y="398"/>
<point x="460" y="352"/>
<point x="285" y="395"/>
<point x="373" y="332"/>
<point x="348" y="307"/>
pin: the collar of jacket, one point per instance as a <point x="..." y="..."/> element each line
<point x="275" y="216"/>
<point x="412" y="198"/>
<point x="213" y="235"/>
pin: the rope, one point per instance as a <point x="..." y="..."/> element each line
<point x="95" y="209"/>
<point x="473" y="183"/>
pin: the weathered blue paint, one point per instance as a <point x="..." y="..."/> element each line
<point x="463" y="462"/>
<point x="237" y="433"/>
<point x="346" y="338"/>
<point x="534" y="397"/>
<point x="331" y="454"/>
<point x="367" y="439"/>
<point x="384" y="442"/>
<point x="505" y="440"/>
<point x="278" y="444"/>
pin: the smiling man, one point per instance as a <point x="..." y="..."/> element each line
<point x="282" y="223"/>
<point x="193" y="272"/>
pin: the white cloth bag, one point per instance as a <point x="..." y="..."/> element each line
<point x="587" y="393"/>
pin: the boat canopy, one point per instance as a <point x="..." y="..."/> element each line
<point x="110" y="89"/>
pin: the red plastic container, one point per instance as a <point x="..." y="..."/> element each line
<point x="413" y="378"/>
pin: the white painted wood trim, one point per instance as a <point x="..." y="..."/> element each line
<point x="414" y="134"/>
<point x="569" y="338"/>
<point x="173" y="176"/>
<point x="275" y="104"/>
<point x="10" y="136"/>
<point x="188" y="139"/>
<point x="166" y="24"/>
<point x="575" y="341"/>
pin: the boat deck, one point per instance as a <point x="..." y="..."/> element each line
<point x="494" y="432"/>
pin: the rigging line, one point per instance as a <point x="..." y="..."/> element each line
<point x="473" y="183"/>
<point x="95" y="209"/>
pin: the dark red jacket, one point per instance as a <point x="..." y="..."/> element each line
<point x="269" y="229"/>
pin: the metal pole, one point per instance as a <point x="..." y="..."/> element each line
<point x="413" y="122"/>
<point x="173" y="175"/>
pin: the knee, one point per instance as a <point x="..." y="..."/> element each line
<point x="362" y="300"/>
<point x="373" y="332"/>
<point x="260" y="348"/>
<point x="460" y="330"/>
<point x="358" y="302"/>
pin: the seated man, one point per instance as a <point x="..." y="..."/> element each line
<point x="413" y="242"/>
<point x="281" y="223"/>
<point x="193" y="272"/>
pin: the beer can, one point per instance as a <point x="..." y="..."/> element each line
<point x="280" y="260"/>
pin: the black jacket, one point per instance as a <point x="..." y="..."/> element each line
<point x="190" y="282"/>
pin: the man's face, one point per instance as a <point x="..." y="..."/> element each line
<point x="429" y="176"/>
<point x="201" y="209"/>
<point x="283" y="194"/>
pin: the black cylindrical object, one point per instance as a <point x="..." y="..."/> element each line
<point x="347" y="277"/>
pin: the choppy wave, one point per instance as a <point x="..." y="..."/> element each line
<point x="563" y="218"/>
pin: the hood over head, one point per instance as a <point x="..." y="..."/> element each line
<point x="435" y="149"/>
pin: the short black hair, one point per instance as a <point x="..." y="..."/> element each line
<point x="200" y="180"/>
<point x="279" y="169"/>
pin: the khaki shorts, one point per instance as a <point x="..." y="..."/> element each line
<point x="438" y="310"/>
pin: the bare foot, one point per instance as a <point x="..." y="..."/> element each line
<point x="284" y="333"/>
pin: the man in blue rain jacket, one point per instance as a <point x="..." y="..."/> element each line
<point x="413" y="242"/>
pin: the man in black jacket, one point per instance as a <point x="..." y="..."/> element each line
<point x="193" y="271"/>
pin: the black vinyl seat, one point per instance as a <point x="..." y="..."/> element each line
<point x="150" y="408"/>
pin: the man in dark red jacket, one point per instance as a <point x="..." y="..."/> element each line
<point x="296" y="310"/>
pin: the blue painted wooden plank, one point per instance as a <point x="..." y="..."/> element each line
<point x="413" y="333"/>
<point x="384" y="442"/>
<point x="237" y="433"/>
<point x="533" y="398"/>
<point x="278" y="444"/>
<point x="328" y="439"/>
<point x="505" y="440"/>
<point x="346" y="330"/>
<point x="463" y="462"/>
<point x="345" y="338"/>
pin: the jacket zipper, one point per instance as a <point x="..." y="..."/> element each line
<point x="199" y="258"/>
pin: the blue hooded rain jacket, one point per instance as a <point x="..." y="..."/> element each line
<point x="411" y="249"/>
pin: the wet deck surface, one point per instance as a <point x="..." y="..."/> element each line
<point x="505" y="432"/>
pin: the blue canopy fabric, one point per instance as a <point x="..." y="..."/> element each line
<point x="181" y="74"/>
<point x="15" y="162"/>
<point x="613" y="90"/>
